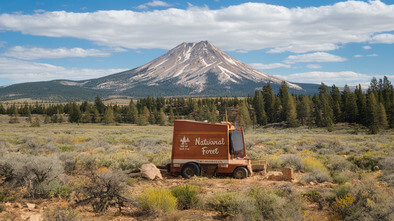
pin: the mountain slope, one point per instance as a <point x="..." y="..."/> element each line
<point x="189" y="65"/>
<point x="189" y="69"/>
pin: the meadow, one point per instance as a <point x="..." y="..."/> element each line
<point x="81" y="171"/>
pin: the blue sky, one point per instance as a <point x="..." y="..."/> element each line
<point x="335" y="42"/>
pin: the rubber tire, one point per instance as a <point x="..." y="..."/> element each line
<point x="190" y="169"/>
<point x="240" y="173"/>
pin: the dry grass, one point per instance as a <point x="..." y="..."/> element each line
<point x="87" y="147"/>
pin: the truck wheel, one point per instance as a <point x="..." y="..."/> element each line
<point x="190" y="169"/>
<point x="240" y="173"/>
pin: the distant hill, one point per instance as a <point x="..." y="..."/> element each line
<point x="189" y="69"/>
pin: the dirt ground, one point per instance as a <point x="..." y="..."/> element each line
<point x="208" y="186"/>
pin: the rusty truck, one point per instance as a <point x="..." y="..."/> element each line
<point x="204" y="149"/>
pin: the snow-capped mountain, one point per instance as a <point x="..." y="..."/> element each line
<point x="189" y="69"/>
<point x="190" y="65"/>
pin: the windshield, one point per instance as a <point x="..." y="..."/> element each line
<point x="236" y="142"/>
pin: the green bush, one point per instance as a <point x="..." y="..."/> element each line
<point x="277" y="204"/>
<point x="33" y="172"/>
<point x="60" y="214"/>
<point x="157" y="200"/>
<point x="365" y="162"/>
<point x="1" y="208"/>
<point x="187" y="196"/>
<point x="104" y="190"/>
<point x="318" y="175"/>
<point x="224" y="203"/>
<point x="292" y="161"/>
<point x="237" y="206"/>
<point x="364" y="201"/>
<point x="343" y="176"/>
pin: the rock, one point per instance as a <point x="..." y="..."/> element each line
<point x="31" y="206"/>
<point x="150" y="172"/>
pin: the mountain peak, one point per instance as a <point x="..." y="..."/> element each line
<point x="194" y="66"/>
<point x="189" y="69"/>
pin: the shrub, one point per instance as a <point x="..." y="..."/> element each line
<point x="365" y="162"/>
<point x="314" y="197"/>
<point x="237" y="206"/>
<point x="37" y="172"/>
<point x="60" y="214"/>
<point x="36" y="122"/>
<point x="34" y="172"/>
<point x="157" y="200"/>
<point x="131" y="161"/>
<point x="338" y="163"/>
<point x="291" y="160"/>
<point x="187" y="196"/>
<point x="317" y="175"/>
<point x="362" y="202"/>
<point x="103" y="190"/>
<point x="279" y="204"/>
<point x="343" y="206"/>
<point x="311" y="163"/>
<point x="388" y="177"/>
<point x="343" y="176"/>
<point x="1" y="208"/>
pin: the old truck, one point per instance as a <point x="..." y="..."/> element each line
<point x="204" y="149"/>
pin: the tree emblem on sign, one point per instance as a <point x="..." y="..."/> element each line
<point x="184" y="141"/>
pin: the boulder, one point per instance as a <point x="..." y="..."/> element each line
<point x="150" y="172"/>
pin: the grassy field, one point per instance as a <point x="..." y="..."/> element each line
<point x="344" y="174"/>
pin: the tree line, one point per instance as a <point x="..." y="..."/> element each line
<point x="373" y="108"/>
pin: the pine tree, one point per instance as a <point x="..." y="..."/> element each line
<point x="75" y="114"/>
<point x="372" y="114"/>
<point x="382" y="117"/>
<point x="86" y="118"/>
<point x="258" y="105"/>
<point x="336" y="104"/>
<point x="161" y="118"/>
<point x="99" y="105"/>
<point x="269" y="103"/>
<point x="284" y="100"/>
<point x="131" y="115"/>
<point x="143" y="117"/>
<point x="291" y="115"/>
<point x="171" y="116"/>
<point x="2" y="109"/>
<point x="108" y="116"/>
<point x="213" y="115"/>
<point x="361" y="105"/>
<point x="243" y="113"/>
<point x="152" y="117"/>
<point x="350" y="105"/>
<point x="96" y="118"/>
<point x="304" y="106"/>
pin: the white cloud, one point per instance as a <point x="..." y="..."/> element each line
<point x="269" y="66"/>
<point x="25" y="71"/>
<point x="248" y="26"/>
<point x="32" y="53"/>
<point x="314" y="57"/>
<point x="329" y="78"/>
<point x="305" y="48"/>
<point x="367" y="47"/>
<point x="366" y="55"/>
<point x="154" y="3"/>
<point x="383" y="38"/>
<point x="314" y="66"/>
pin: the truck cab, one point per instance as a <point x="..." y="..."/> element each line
<point x="204" y="149"/>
